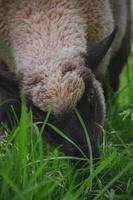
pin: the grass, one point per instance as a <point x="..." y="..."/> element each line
<point x="30" y="169"/>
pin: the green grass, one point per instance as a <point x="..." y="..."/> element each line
<point x="30" y="169"/>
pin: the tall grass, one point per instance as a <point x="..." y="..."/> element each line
<point x="31" y="169"/>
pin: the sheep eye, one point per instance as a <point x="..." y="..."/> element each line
<point x="91" y="94"/>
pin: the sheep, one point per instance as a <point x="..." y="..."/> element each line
<point x="63" y="52"/>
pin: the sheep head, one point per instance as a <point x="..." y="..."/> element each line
<point x="70" y="83"/>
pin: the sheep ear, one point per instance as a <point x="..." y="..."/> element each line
<point x="97" y="53"/>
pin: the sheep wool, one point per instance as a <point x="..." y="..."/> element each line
<point x="49" y="40"/>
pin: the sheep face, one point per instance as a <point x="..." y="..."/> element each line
<point x="73" y="88"/>
<point x="91" y="107"/>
